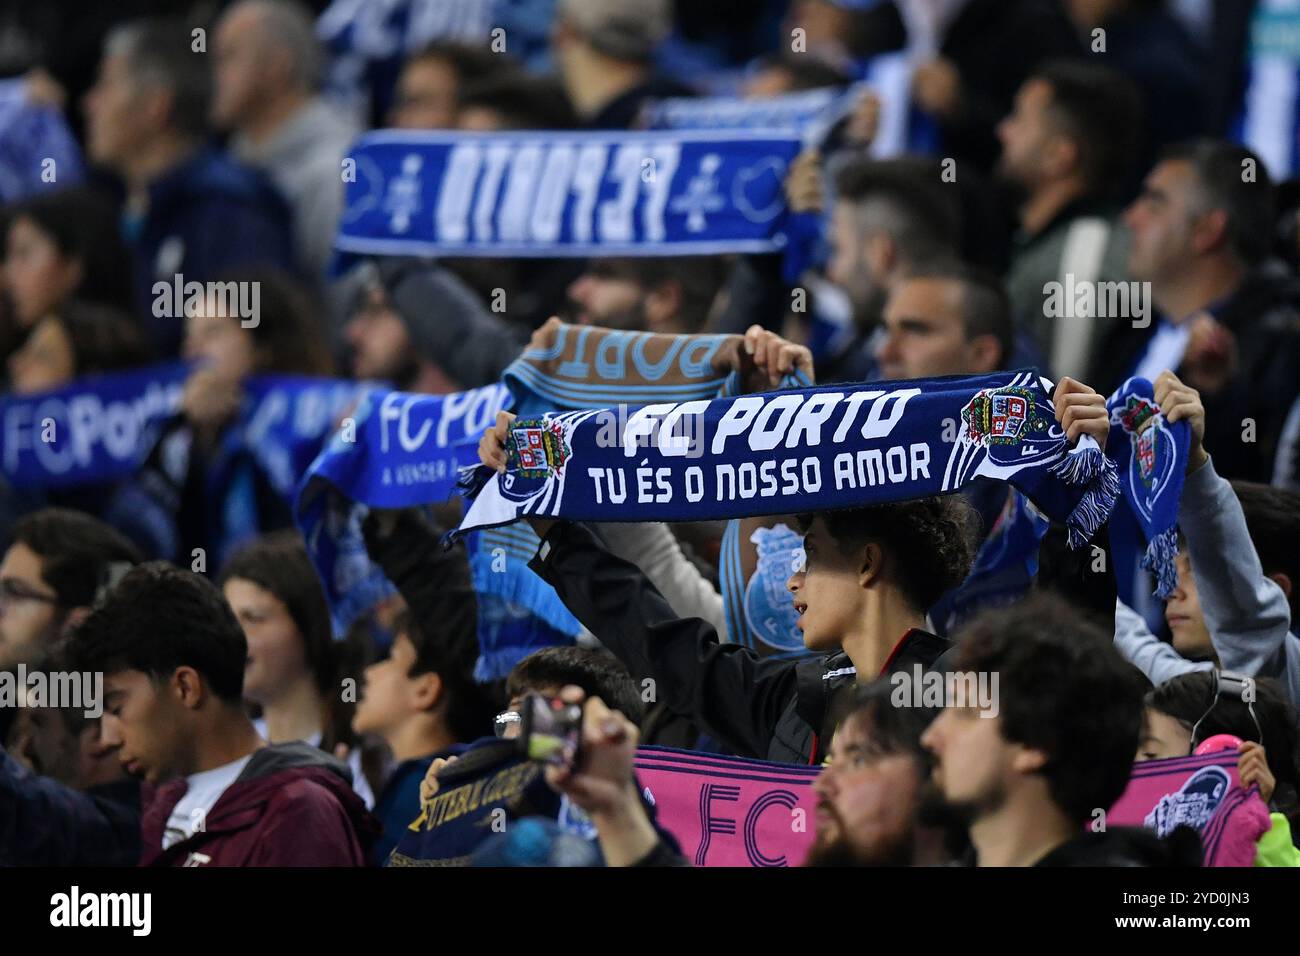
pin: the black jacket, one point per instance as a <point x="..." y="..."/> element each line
<point x="434" y="581"/>
<point x="46" y="823"/>
<point x="772" y="709"/>
<point x="1128" y="846"/>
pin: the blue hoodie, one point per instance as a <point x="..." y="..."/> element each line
<point x="207" y="215"/>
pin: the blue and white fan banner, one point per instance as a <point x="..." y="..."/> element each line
<point x="403" y="450"/>
<point x="1151" y="456"/>
<point x="813" y="449"/>
<point x="93" y="430"/>
<point x="809" y="114"/>
<point x="662" y="193"/>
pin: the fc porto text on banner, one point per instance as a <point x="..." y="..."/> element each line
<point x="802" y="450"/>
<point x="405" y="450"/>
<point x="95" y="429"/>
<point x="666" y="192"/>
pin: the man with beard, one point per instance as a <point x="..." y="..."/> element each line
<point x="868" y="793"/>
<point x="1067" y="146"/>
<point x="647" y="293"/>
<point x="1028" y="770"/>
<point x="872" y="786"/>
<point x="890" y="218"/>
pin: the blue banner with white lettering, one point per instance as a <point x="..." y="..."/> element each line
<point x="663" y="193"/>
<point x="96" y="430"/>
<point x="100" y="428"/>
<point x="808" y="113"/>
<point x="286" y="421"/>
<point x="400" y="450"/>
<point x="813" y="449"/>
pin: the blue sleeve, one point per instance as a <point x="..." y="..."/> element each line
<point x="45" y="823"/>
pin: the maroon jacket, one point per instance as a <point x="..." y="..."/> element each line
<point x="293" y="805"/>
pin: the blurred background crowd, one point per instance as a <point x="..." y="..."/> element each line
<point x="1032" y="142"/>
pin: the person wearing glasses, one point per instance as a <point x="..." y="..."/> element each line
<point x="57" y="561"/>
<point x="64" y="799"/>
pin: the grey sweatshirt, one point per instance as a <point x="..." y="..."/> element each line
<point x="1247" y="614"/>
<point x="653" y="548"/>
<point x="303" y="158"/>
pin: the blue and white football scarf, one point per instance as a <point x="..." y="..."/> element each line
<point x="399" y="450"/>
<point x="805" y="450"/>
<point x="571" y="368"/>
<point x="663" y="193"/>
<point x="100" y="429"/>
<point x="808" y="113"/>
<point x="1151" y="456"/>
<point x="568" y="368"/>
<point x="1005" y="565"/>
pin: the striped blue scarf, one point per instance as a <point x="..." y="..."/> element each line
<point x="805" y="450"/>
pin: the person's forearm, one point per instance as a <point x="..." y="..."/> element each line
<point x="1152" y="656"/>
<point x="434" y="582"/>
<point x="1247" y="614"/>
<point x="724" y="688"/>
<point x="625" y="832"/>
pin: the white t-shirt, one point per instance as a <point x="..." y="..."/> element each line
<point x="360" y="785"/>
<point x="205" y="790"/>
<point x="1164" y="351"/>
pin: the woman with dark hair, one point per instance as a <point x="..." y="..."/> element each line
<point x="1185" y="711"/>
<point x="296" y="671"/>
<point x="65" y="244"/>
<point x="78" y="338"/>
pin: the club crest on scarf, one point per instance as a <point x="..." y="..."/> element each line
<point x="770" y="612"/>
<point x="535" y="452"/>
<point x="1003" y="416"/>
<point x="539" y="448"/>
<point x="1193" y="804"/>
<point x="1153" y="459"/>
<point x="1011" y="424"/>
<point x="1152" y="463"/>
